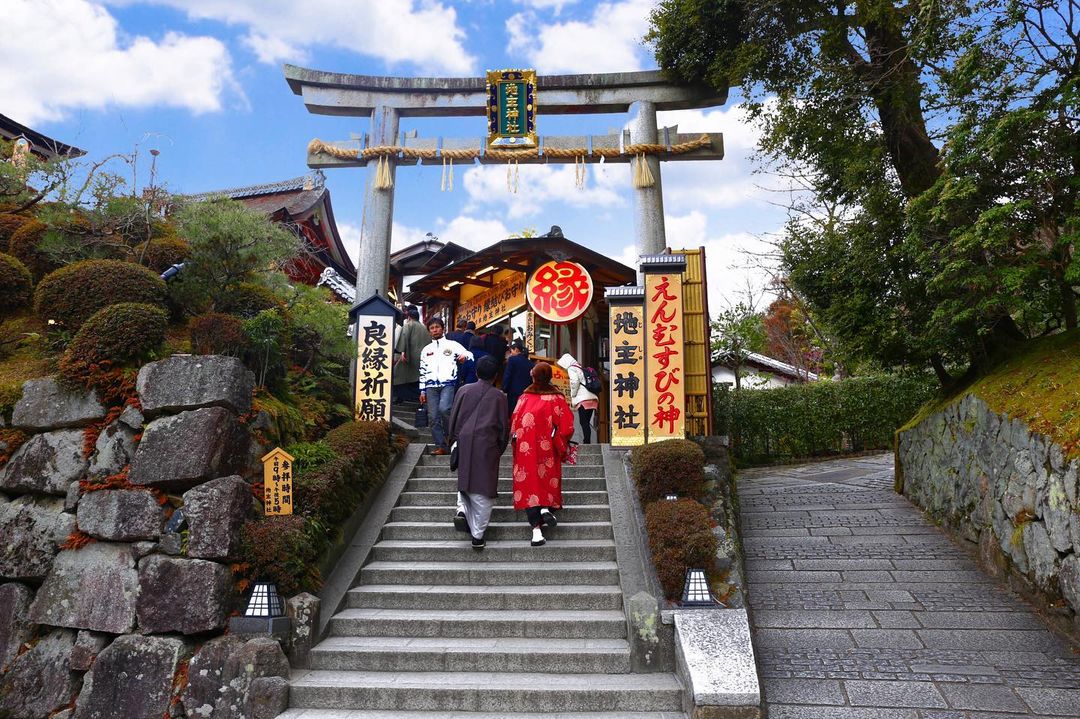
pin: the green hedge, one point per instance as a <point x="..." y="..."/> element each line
<point x="818" y="419"/>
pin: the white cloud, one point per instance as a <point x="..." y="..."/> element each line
<point x="472" y="232"/>
<point x="608" y="41"/>
<point x="424" y="33"/>
<point x="401" y="236"/>
<point x="62" y="55"/>
<point x="537" y="185"/>
<point x="555" y="5"/>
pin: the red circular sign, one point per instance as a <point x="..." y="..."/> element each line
<point x="559" y="291"/>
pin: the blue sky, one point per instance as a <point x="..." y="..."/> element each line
<point x="201" y="81"/>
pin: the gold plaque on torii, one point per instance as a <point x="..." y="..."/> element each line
<point x="511" y="109"/>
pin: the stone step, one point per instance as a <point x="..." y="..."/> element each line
<point x="460" y="550"/>
<point x="489" y="623"/>
<point x="496" y="531"/>
<point x="449" y="499"/>
<point x="506" y="514"/>
<point x="505" y="485"/>
<point x="501" y="693"/>
<point x="341" y="714"/>
<point x="584" y="450"/>
<point x="404" y="654"/>
<point x="491" y="573"/>
<point x="436" y="460"/>
<point x="518" y="598"/>
<point x="505" y="471"/>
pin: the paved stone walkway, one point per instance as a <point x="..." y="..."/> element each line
<point x="862" y="609"/>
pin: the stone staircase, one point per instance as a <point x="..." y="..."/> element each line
<point x="406" y="412"/>
<point x="434" y="628"/>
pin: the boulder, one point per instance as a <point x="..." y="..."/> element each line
<point x="215" y="513"/>
<point x="46" y="404"/>
<point x="87" y="647"/>
<point x="268" y="697"/>
<point x="184" y="382"/>
<point x="222" y="678"/>
<point x="1042" y="558"/>
<point x="72" y="497"/>
<point x="132" y="678"/>
<point x="114" y="449"/>
<point x="15" y="628"/>
<point x="40" y="681"/>
<point x="185" y="450"/>
<point x="94" y="588"/>
<point x="31" y="530"/>
<point x="122" y="515"/>
<point x="131" y="417"/>
<point x="47" y="463"/>
<point x="189" y="596"/>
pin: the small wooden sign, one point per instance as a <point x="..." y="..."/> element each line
<point x="511" y="109"/>
<point x="628" y="379"/>
<point x="277" y="482"/>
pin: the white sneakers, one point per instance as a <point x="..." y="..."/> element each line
<point x="538" y="537"/>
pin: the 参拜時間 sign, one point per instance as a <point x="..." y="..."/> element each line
<point x="559" y="291"/>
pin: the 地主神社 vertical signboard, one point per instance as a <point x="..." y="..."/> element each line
<point x="559" y="291"/>
<point x="511" y="109"/>
<point x="665" y="354"/>
<point x="373" y="322"/>
<point x="277" y="482"/>
<point x="627" y="378"/>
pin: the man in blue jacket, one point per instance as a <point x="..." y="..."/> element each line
<point x="516" y="375"/>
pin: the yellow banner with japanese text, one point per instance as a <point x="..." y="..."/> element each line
<point x="374" y="339"/>
<point x="665" y="396"/>
<point x="493" y="303"/>
<point x="277" y="482"/>
<point x="627" y="380"/>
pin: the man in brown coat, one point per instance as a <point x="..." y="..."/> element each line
<point x="480" y="427"/>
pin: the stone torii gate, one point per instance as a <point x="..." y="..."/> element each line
<point x="387" y="99"/>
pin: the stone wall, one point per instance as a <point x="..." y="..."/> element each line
<point x="1005" y="488"/>
<point x="110" y="598"/>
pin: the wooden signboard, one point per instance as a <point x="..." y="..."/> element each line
<point x="627" y="381"/>
<point x="373" y="360"/>
<point x="491" y="304"/>
<point x="277" y="482"/>
<point x="665" y="361"/>
<point x="511" y="108"/>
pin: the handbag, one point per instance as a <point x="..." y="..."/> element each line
<point x="453" y="457"/>
<point x="571" y="453"/>
<point x="421" y="420"/>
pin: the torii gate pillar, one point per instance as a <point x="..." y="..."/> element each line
<point x="648" y="201"/>
<point x="372" y="267"/>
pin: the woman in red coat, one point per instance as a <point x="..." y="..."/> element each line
<point x="542" y="426"/>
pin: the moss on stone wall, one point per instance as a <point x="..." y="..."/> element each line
<point x="1039" y="385"/>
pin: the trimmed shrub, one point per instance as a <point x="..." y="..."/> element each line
<point x="674" y="466"/>
<point x="309" y="455"/>
<point x="8" y="224"/>
<point x="218" y="334"/>
<point x="680" y="537"/>
<point x="821" y="418"/>
<point x="360" y="439"/>
<point x="279" y="549"/>
<point x="117" y="334"/>
<point x="328" y="485"/>
<point x="161" y="253"/>
<point x="16" y="285"/>
<point x="23" y="244"/>
<point x="248" y="299"/>
<point x="73" y="293"/>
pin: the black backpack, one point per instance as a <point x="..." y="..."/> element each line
<point x="592" y="380"/>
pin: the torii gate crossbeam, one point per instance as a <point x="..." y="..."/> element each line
<point x="387" y="99"/>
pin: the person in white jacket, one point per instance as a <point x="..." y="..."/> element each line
<point x="584" y="401"/>
<point x="438" y="380"/>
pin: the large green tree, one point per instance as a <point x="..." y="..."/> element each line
<point x="937" y="145"/>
